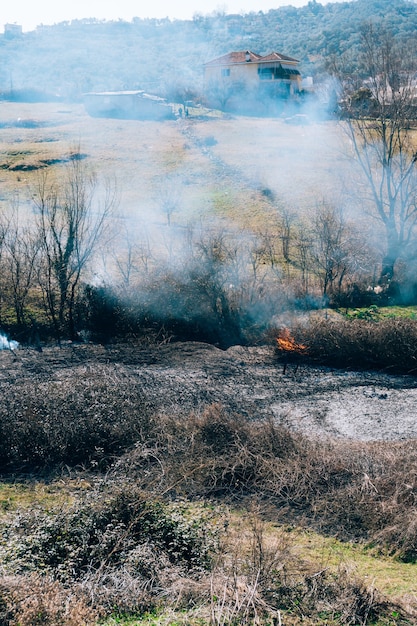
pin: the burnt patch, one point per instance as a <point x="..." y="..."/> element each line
<point x="25" y="123"/>
<point x="39" y="164"/>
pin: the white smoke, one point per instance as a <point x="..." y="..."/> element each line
<point x="8" y="344"/>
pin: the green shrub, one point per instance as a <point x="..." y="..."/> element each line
<point x="107" y="529"/>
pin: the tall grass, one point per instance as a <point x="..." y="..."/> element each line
<point x="385" y="344"/>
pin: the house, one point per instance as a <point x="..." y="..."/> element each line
<point x="13" y="31"/>
<point x="239" y="79"/>
<point x="127" y="105"/>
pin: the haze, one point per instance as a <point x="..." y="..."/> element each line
<point x="31" y="14"/>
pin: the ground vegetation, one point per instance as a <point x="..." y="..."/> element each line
<point x="196" y="518"/>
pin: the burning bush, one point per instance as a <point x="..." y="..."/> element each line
<point x="388" y="344"/>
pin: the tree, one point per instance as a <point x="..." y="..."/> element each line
<point x="169" y="196"/>
<point x="219" y="92"/>
<point x="377" y="107"/>
<point x="330" y="253"/>
<point x="21" y="252"/>
<point x="70" y="222"/>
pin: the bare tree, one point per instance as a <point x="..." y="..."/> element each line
<point x="330" y="250"/>
<point x="169" y="196"/>
<point x="219" y="92"/>
<point x="377" y="106"/>
<point x="4" y="225"/>
<point x="70" y="220"/>
<point x="131" y="257"/>
<point x="21" y="251"/>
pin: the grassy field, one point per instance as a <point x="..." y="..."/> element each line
<point x="239" y="168"/>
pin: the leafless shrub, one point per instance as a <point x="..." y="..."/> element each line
<point x="353" y="490"/>
<point x="71" y="422"/>
<point x="35" y="600"/>
<point x="389" y="344"/>
<point x="263" y="580"/>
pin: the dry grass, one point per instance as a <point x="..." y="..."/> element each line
<point x="298" y="164"/>
<point x="386" y="344"/>
<point x="140" y="155"/>
<point x="37" y="600"/>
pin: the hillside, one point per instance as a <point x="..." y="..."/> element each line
<point x="166" y="56"/>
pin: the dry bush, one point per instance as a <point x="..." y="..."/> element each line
<point x="365" y="491"/>
<point x="261" y="579"/>
<point x="35" y="600"/>
<point x="389" y="344"/>
<point x="211" y="454"/>
<point x="75" y="421"/>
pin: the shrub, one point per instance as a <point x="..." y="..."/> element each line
<point x="35" y="600"/>
<point x="353" y="490"/>
<point x="81" y="420"/>
<point x="110" y="529"/>
<point x="389" y="344"/>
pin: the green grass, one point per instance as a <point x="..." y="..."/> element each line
<point x="376" y="313"/>
<point x="163" y="618"/>
<point x="38" y="494"/>
<point x="392" y="577"/>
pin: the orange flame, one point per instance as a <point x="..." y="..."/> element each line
<point x="287" y="343"/>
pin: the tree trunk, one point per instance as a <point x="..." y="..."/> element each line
<point x="390" y="258"/>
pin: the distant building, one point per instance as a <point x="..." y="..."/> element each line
<point x="12" y="31"/>
<point x="245" y="78"/>
<point x="127" y="105"/>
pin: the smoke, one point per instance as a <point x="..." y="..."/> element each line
<point x="8" y="344"/>
<point x="175" y="257"/>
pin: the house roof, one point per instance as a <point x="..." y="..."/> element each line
<point x="277" y="56"/>
<point x="234" y="58"/>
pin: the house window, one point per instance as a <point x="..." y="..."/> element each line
<point x="266" y="73"/>
<point x="276" y="72"/>
<point x="226" y="72"/>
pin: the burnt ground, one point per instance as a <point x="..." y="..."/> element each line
<point x="184" y="377"/>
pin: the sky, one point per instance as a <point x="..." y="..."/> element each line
<point x="31" y="13"/>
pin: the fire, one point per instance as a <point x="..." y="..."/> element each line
<point x="287" y="343"/>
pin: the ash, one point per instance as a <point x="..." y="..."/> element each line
<point x="182" y="378"/>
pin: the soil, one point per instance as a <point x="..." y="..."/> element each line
<point x="185" y="377"/>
